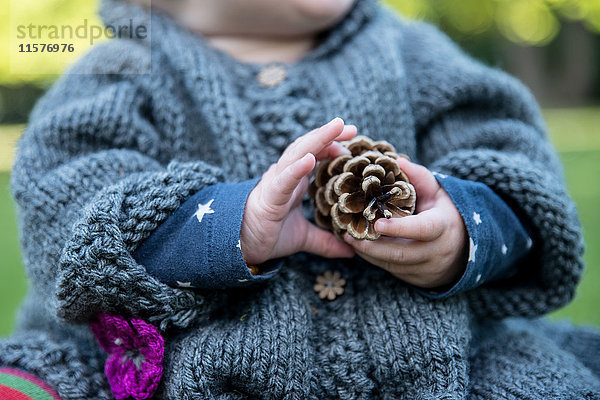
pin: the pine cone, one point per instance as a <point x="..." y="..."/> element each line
<point x="351" y="192"/>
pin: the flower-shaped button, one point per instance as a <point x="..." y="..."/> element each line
<point x="329" y="285"/>
<point x="136" y="351"/>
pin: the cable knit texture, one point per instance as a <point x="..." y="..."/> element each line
<point x="139" y="126"/>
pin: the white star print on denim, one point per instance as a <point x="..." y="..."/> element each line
<point x="204" y="209"/>
<point x="476" y="218"/>
<point x="504" y="249"/>
<point x="472" y="250"/>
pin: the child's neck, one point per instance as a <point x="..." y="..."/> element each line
<point x="263" y="50"/>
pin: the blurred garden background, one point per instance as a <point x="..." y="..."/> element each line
<point x="553" y="46"/>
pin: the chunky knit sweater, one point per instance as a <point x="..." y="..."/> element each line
<point x="139" y="126"/>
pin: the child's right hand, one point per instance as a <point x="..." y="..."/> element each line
<point x="273" y="224"/>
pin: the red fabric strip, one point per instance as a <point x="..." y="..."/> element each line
<point x="31" y="378"/>
<point x="7" y="393"/>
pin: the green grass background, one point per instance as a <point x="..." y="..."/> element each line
<point x="575" y="132"/>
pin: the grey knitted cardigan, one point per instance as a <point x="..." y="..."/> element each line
<point x="111" y="152"/>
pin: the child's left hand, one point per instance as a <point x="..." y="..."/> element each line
<point x="427" y="249"/>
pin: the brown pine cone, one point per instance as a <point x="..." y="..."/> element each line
<point x="351" y="192"/>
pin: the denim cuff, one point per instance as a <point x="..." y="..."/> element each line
<point x="497" y="238"/>
<point x="199" y="246"/>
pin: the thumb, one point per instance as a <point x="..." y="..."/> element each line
<point x="322" y="243"/>
<point x="420" y="177"/>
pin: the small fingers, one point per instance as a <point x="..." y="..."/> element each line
<point x="386" y="265"/>
<point x="299" y="192"/>
<point x="323" y="243"/>
<point x="391" y="251"/>
<point x="336" y="149"/>
<point x="348" y="133"/>
<point x="426" y="226"/>
<point x="420" y="177"/>
<point x="279" y="191"/>
<point x="316" y="141"/>
<point x="412" y="274"/>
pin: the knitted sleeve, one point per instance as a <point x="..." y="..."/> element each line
<point x="94" y="175"/>
<point x="479" y="124"/>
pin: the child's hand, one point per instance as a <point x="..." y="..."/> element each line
<point x="426" y="249"/>
<point x="273" y="224"/>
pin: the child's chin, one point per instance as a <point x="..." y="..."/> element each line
<point x="326" y="12"/>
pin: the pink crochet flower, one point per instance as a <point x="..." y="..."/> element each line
<point x="136" y="351"/>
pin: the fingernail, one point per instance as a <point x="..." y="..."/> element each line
<point x="334" y="121"/>
<point x="403" y="159"/>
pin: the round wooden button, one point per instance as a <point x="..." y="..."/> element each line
<point x="272" y="75"/>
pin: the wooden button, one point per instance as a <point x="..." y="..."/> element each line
<point x="272" y="75"/>
<point x="329" y="285"/>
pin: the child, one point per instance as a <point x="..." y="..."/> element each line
<point x="160" y="189"/>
